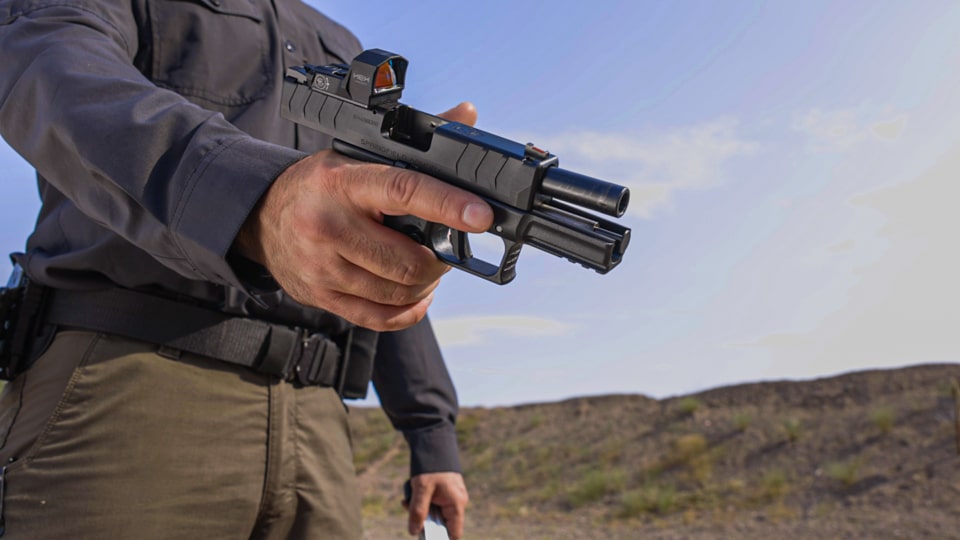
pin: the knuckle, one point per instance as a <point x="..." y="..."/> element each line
<point x="306" y="227"/>
<point x="409" y="274"/>
<point x="334" y="178"/>
<point x="449" y="205"/>
<point x="417" y="515"/>
<point x="394" y="275"/>
<point x="366" y="321"/>
<point x="320" y="230"/>
<point x="395" y="295"/>
<point x="417" y="267"/>
<point x="402" y="187"/>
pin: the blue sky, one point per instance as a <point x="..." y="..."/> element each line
<point x="793" y="171"/>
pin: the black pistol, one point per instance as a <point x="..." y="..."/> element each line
<point x="534" y="201"/>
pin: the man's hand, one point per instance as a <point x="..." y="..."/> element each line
<point x="445" y="490"/>
<point x="319" y="231"/>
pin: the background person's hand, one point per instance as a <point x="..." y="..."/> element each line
<point x="319" y="232"/>
<point x="446" y="490"/>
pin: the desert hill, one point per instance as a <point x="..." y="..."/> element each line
<point x="869" y="454"/>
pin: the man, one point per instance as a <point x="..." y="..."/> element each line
<point x="169" y="179"/>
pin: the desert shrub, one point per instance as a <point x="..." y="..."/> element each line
<point x="735" y="485"/>
<point x="595" y="485"/>
<point x="689" y="405"/>
<point x="542" y="453"/>
<point x="845" y="472"/>
<point x="611" y="451"/>
<point x="792" y="428"/>
<point x="517" y="478"/>
<point x="651" y="498"/>
<point x="883" y="419"/>
<point x="549" y="491"/>
<point x="741" y="421"/>
<point x="687" y="447"/>
<point x="482" y="461"/>
<point x="691" y="452"/>
<point x="513" y="447"/>
<point x="773" y="485"/>
<point x="781" y="512"/>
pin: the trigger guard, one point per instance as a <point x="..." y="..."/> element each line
<point x="453" y="247"/>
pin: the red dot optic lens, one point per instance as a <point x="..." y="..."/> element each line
<point x="385" y="78"/>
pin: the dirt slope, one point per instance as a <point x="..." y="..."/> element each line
<point x="863" y="455"/>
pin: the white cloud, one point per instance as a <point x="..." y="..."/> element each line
<point x="889" y="130"/>
<point x="840" y="129"/>
<point x="476" y="330"/>
<point x="654" y="165"/>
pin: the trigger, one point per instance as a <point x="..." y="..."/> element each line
<point x="460" y="242"/>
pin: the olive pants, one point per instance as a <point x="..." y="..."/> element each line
<point x="105" y="438"/>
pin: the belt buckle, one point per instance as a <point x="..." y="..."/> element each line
<point x="312" y="356"/>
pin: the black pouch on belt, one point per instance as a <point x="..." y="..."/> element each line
<point x="22" y="335"/>
<point x="360" y="348"/>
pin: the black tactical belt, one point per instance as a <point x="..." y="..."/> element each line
<point x="293" y="354"/>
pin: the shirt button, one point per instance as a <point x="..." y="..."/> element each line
<point x="289" y="46"/>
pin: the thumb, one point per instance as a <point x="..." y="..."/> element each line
<point x="465" y="113"/>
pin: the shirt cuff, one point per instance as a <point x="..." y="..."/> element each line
<point x="224" y="190"/>
<point x="433" y="450"/>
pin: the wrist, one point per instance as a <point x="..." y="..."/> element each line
<point x="247" y="242"/>
<point x="433" y="450"/>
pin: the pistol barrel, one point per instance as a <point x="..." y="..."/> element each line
<point x="585" y="191"/>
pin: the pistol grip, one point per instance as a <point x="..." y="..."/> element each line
<point x="453" y="247"/>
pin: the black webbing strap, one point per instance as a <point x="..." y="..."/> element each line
<point x="288" y="353"/>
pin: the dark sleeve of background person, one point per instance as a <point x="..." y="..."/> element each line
<point x="418" y="396"/>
